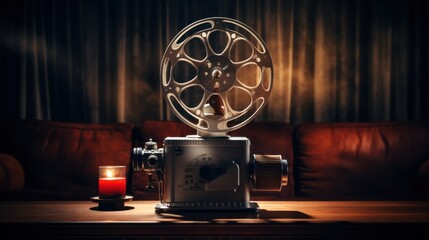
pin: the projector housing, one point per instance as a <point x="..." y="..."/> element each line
<point x="196" y="173"/>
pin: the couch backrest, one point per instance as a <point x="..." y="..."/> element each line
<point x="360" y="160"/>
<point x="61" y="160"/>
<point x="384" y="160"/>
<point x="265" y="138"/>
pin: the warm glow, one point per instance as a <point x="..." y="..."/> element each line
<point x="109" y="173"/>
<point x="112" y="181"/>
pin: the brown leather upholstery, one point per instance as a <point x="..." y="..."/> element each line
<point x="265" y="138"/>
<point x="12" y="174"/>
<point x="384" y="160"/>
<point x="360" y="160"/>
<point x="61" y="160"/>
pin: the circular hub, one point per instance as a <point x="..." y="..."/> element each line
<point x="216" y="74"/>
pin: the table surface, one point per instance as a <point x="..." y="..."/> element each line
<point x="270" y="211"/>
<point x="273" y="218"/>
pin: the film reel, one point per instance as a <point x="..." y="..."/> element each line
<point x="217" y="75"/>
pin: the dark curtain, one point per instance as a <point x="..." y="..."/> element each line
<point x="99" y="61"/>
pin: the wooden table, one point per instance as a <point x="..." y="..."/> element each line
<point x="275" y="220"/>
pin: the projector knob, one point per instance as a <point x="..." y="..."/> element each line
<point x="137" y="159"/>
<point x="270" y="173"/>
<point x="152" y="160"/>
<point x="150" y="145"/>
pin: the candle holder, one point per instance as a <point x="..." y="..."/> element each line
<point x="112" y="204"/>
<point x="112" y="187"/>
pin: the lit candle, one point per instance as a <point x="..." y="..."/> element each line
<point x="112" y="181"/>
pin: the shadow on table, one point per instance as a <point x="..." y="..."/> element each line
<point x="232" y="216"/>
<point x="109" y="209"/>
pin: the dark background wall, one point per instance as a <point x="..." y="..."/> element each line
<point x="99" y="61"/>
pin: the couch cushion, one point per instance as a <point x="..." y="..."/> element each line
<point x="12" y="176"/>
<point x="378" y="160"/>
<point x="62" y="159"/>
<point x="265" y="138"/>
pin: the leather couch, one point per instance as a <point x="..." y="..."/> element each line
<point x="42" y="160"/>
<point x="378" y="160"/>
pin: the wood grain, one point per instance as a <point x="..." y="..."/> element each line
<point x="299" y="219"/>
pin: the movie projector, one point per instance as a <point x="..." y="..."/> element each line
<point x="211" y="170"/>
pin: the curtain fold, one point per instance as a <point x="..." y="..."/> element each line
<point x="98" y="61"/>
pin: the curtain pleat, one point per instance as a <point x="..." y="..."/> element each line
<point x="98" y="61"/>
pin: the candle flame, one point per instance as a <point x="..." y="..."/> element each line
<point x="109" y="174"/>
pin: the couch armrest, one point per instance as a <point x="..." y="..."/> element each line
<point x="422" y="180"/>
<point x="12" y="175"/>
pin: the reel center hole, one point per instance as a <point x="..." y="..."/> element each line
<point x="217" y="74"/>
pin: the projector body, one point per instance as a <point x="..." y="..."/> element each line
<point x="196" y="173"/>
<point x="206" y="173"/>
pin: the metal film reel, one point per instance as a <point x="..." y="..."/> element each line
<point x="230" y="78"/>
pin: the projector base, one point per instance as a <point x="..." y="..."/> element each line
<point x="214" y="207"/>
